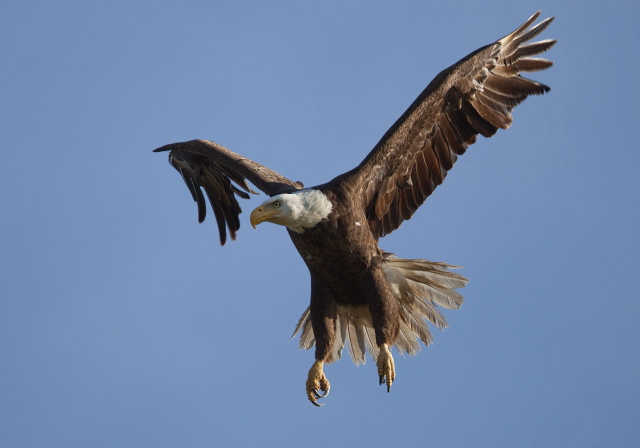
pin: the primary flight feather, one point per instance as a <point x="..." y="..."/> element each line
<point x="362" y="296"/>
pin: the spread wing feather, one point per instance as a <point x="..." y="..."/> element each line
<point x="223" y="175"/>
<point x="474" y="96"/>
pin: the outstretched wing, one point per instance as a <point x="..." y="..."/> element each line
<point x="212" y="167"/>
<point x="474" y="96"/>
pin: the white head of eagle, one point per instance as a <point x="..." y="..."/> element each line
<point x="297" y="211"/>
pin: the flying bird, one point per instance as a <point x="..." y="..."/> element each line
<point x="363" y="297"/>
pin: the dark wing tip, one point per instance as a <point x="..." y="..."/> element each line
<point x="164" y="148"/>
<point x="201" y="170"/>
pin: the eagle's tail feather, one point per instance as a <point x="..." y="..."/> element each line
<point x="419" y="286"/>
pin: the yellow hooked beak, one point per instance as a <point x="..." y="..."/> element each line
<point x="259" y="215"/>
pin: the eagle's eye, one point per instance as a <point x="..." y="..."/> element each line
<point x="276" y="204"/>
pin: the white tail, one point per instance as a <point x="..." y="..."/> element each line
<point x="418" y="286"/>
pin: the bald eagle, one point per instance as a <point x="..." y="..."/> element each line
<point x="362" y="296"/>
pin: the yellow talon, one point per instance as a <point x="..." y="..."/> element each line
<point x="386" y="366"/>
<point x="317" y="381"/>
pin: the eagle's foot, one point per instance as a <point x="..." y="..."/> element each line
<point x="386" y="366"/>
<point x="317" y="382"/>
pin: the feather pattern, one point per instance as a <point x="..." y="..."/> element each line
<point x="417" y="286"/>
<point x="307" y="339"/>
<point x="474" y="96"/>
<point x="223" y="175"/>
<point x="339" y="342"/>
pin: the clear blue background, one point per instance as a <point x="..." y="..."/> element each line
<point x="124" y="323"/>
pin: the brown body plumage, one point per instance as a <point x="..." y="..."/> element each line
<point x="361" y="296"/>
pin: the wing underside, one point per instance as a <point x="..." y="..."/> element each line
<point x="224" y="176"/>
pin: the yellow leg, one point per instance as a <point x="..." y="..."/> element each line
<point x="386" y="366"/>
<point x="317" y="381"/>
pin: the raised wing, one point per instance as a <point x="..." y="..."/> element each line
<point x="474" y="96"/>
<point x="212" y="167"/>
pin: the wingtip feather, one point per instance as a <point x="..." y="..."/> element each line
<point x="164" y="148"/>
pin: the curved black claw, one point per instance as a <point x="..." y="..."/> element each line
<point x="317" y="384"/>
<point x="382" y="381"/>
<point x="316" y="394"/>
<point x="319" y="395"/>
<point x="386" y="367"/>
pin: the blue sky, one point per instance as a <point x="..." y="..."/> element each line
<point x="124" y="323"/>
